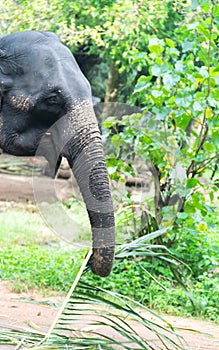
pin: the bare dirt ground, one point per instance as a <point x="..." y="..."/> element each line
<point x="31" y="311"/>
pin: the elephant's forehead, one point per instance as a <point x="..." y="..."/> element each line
<point x="46" y="57"/>
<point x="41" y="65"/>
<point x="47" y="67"/>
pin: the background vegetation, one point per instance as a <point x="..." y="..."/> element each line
<point x="162" y="57"/>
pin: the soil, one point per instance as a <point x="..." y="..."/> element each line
<point x="31" y="311"/>
<point x="22" y="179"/>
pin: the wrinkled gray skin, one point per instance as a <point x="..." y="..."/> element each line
<point x="46" y="108"/>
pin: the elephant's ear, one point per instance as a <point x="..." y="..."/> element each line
<point x="5" y="80"/>
<point x="8" y="65"/>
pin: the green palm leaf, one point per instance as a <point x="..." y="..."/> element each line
<point x="112" y="321"/>
<point x="95" y="318"/>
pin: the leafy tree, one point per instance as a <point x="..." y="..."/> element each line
<point x="115" y="30"/>
<point x="177" y="135"/>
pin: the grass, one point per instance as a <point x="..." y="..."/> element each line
<point x="19" y="226"/>
<point x="27" y="223"/>
<point x="44" y="267"/>
<point x="33" y="257"/>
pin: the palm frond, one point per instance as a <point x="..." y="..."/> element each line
<point x="17" y="337"/>
<point x="140" y="247"/>
<point x="95" y="318"/>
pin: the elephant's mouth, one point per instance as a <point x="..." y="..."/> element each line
<point x="23" y="143"/>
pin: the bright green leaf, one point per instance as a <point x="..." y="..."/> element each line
<point x="156" y="45"/>
<point x="191" y="183"/>
<point x="179" y="66"/>
<point x="156" y="70"/>
<point x="170" y="42"/>
<point x="209" y="147"/>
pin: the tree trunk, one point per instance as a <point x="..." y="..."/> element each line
<point x="112" y="85"/>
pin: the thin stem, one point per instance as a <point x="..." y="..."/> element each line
<point x="68" y="296"/>
<point x="204" y="127"/>
<point x="215" y="169"/>
<point x="204" y="164"/>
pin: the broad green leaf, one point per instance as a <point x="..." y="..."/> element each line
<point x="182" y="215"/>
<point x="203" y="30"/>
<point x="209" y="147"/>
<point x="187" y="45"/>
<point x="156" y="70"/>
<point x="142" y="83"/>
<point x="156" y="93"/>
<point x="182" y="121"/>
<point x="139" y="57"/>
<point x="216" y="10"/>
<point x="184" y="100"/>
<point x="203" y="71"/>
<point x="198" y="106"/>
<point x="216" y="78"/>
<point x="195" y="4"/>
<point x="215" y="138"/>
<point x="140" y="86"/>
<point x="170" y="80"/>
<point x="191" y="183"/>
<point x="179" y="66"/>
<point x="205" y="5"/>
<point x="117" y="141"/>
<point x="156" y="45"/>
<point x="173" y="51"/>
<point x="170" y="42"/>
<point x="109" y="122"/>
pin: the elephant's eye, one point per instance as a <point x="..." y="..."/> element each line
<point x="52" y="99"/>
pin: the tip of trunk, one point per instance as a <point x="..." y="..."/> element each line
<point x="102" y="261"/>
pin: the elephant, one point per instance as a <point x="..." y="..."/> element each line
<point x="46" y="109"/>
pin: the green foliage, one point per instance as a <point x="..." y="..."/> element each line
<point x="176" y="136"/>
<point x="162" y="293"/>
<point x="40" y="267"/>
<point x="197" y="244"/>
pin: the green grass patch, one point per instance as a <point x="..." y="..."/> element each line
<point x="31" y="255"/>
<point x="41" y="267"/>
<point x="20" y="226"/>
<point x="27" y="224"/>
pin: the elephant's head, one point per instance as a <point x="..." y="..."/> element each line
<point x="46" y="100"/>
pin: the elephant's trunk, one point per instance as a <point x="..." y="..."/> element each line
<point x="76" y="136"/>
<point x="84" y="152"/>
